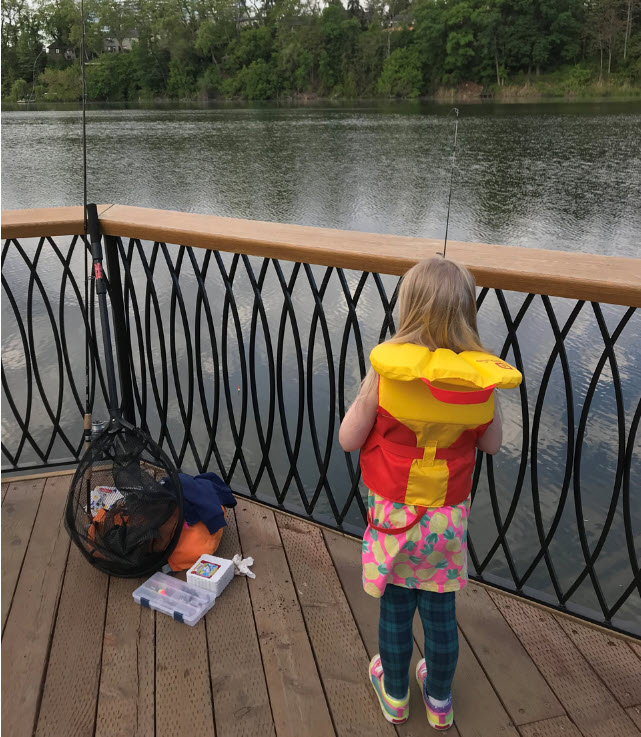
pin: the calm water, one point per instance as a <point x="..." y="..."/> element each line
<point x="564" y="176"/>
<point x="557" y="176"/>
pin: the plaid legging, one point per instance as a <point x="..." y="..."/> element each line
<point x="438" y="615"/>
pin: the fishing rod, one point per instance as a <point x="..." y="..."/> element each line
<point x="449" y="199"/>
<point x="132" y="533"/>
<point x="87" y="418"/>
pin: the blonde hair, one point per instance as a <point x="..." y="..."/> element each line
<point x="436" y="309"/>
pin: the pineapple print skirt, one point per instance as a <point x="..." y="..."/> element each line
<point x="431" y="555"/>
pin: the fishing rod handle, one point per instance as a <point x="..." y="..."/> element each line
<point x="93" y="227"/>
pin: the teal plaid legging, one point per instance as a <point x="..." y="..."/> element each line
<point x="438" y="615"/>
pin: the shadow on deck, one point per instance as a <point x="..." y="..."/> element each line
<point x="285" y="654"/>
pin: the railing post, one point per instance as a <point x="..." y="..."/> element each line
<point x="123" y="347"/>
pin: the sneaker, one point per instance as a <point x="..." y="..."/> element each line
<point x="439" y="717"/>
<point x="396" y="711"/>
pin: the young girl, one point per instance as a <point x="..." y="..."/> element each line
<point x="422" y="411"/>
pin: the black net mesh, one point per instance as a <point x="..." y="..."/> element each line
<point x="119" y="514"/>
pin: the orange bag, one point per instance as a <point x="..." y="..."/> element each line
<point x="194" y="541"/>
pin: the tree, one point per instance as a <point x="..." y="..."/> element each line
<point x="19" y="90"/>
<point x="606" y="24"/>
<point x="117" y="18"/>
<point x="401" y="76"/>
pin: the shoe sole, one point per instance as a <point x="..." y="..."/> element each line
<point x="437" y="727"/>
<point x="390" y="719"/>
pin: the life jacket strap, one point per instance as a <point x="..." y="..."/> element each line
<point x="397" y="530"/>
<point x="410" y="451"/>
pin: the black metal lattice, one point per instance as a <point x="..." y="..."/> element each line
<point x="247" y="365"/>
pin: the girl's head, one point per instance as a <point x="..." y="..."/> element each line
<point x="437" y="307"/>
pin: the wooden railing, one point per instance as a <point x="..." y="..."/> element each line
<point x="241" y="346"/>
<point x="556" y="273"/>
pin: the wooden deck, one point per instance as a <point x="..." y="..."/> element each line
<point x="285" y="654"/>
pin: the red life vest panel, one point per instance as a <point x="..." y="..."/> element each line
<point x="432" y="408"/>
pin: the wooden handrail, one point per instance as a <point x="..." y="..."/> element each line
<point x="609" y="279"/>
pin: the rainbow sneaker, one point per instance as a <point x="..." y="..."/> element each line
<point x="439" y="717"/>
<point x="396" y="711"/>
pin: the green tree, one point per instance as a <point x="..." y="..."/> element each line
<point x="19" y="90"/>
<point x="110" y="78"/>
<point x="62" y="85"/>
<point x="118" y="18"/>
<point x="402" y="75"/>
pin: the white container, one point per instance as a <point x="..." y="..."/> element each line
<point x="176" y="598"/>
<point x="211" y="573"/>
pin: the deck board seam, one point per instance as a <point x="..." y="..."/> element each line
<point x="309" y="639"/>
<point x="54" y="622"/>
<point x="539" y="721"/>
<point x="260" y="650"/>
<point x="534" y="663"/>
<point x="211" y="685"/>
<point x="349" y="606"/>
<point x="598" y="675"/>
<point x="638" y="654"/>
<point x="590" y="666"/>
<point x="594" y="670"/>
<point x="155" y="671"/>
<point x="102" y="653"/>
<point x="24" y="557"/>
<point x="487" y="676"/>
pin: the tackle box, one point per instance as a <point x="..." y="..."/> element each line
<point x="211" y="573"/>
<point x="176" y="598"/>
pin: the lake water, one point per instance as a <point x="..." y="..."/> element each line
<point x="554" y="175"/>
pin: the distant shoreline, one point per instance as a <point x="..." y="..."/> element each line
<point x="511" y="95"/>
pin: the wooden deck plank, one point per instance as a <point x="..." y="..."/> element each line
<point x="241" y="699"/>
<point x="589" y="704"/>
<point x="5" y="489"/>
<point x="27" y="635"/>
<point x="183" y="688"/>
<point x="18" y="517"/>
<point x="71" y="685"/>
<point x="555" y="727"/>
<point x="345" y="553"/>
<point x="338" y="648"/>
<point x="477" y="708"/>
<point x="611" y="658"/>
<point x="634" y="712"/>
<point x="296" y="695"/>
<point x="524" y="692"/>
<point x="126" y="695"/>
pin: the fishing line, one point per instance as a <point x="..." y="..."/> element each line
<point x="87" y="427"/>
<point x="449" y="199"/>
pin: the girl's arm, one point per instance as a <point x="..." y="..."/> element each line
<point x="359" y="420"/>
<point x="490" y="441"/>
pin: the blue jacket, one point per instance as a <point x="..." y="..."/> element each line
<point x="204" y="498"/>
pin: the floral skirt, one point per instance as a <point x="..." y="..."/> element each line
<point x="431" y="555"/>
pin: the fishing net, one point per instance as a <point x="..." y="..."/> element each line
<point x="119" y="513"/>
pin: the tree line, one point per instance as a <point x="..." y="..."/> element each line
<point x="278" y="49"/>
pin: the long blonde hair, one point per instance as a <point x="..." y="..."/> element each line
<point x="436" y="309"/>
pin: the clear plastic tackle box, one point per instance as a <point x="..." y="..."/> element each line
<point x="171" y="596"/>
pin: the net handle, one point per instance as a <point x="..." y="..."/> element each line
<point x="93" y="226"/>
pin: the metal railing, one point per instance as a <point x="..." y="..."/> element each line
<point x="245" y="364"/>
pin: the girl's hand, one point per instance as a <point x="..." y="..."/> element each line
<point x="359" y="420"/>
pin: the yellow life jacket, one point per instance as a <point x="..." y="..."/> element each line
<point x="432" y="408"/>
